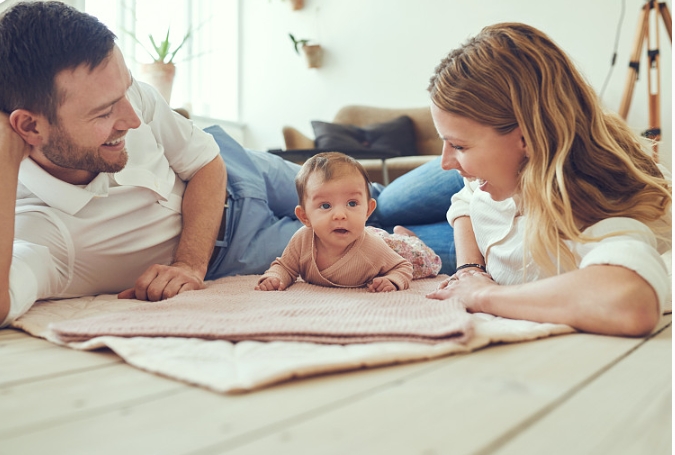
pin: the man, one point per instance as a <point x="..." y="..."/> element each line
<point x="104" y="189"/>
<point x="113" y="190"/>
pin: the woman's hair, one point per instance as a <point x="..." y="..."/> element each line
<point x="37" y="41"/>
<point x="331" y="165"/>
<point x="584" y="165"/>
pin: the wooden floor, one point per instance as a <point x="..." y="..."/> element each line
<point x="570" y="394"/>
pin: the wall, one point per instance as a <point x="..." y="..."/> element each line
<point x="382" y="53"/>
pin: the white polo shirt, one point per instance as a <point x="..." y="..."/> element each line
<point x="73" y="240"/>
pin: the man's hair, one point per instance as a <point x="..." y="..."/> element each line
<point x="331" y="165"/>
<point x="37" y="41"/>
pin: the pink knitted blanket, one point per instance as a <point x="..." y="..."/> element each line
<point x="230" y="309"/>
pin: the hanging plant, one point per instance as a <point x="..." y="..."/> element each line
<point x="313" y="52"/>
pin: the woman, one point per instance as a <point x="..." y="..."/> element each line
<point x="564" y="215"/>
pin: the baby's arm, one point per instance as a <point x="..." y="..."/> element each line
<point x="396" y="272"/>
<point x="276" y="278"/>
<point x="284" y="270"/>
<point x="381" y="284"/>
<point x="270" y="283"/>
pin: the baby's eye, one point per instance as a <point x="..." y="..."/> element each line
<point x="325" y="206"/>
<point x="352" y="203"/>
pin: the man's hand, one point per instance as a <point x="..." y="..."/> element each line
<point x="381" y="284"/>
<point x="13" y="149"/>
<point x="161" y="282"/>
<point x="12" y="146"/>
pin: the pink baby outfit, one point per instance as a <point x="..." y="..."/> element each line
<point x="426" y="263"/>
<point x="367" y="258"/>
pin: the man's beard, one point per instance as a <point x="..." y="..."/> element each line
<point x="63" y="151"/>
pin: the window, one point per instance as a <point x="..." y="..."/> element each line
<point x="207" y="66"/>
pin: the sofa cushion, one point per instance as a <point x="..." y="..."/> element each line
<point x="396" y="137"/>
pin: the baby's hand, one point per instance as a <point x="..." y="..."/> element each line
<point x="270" y="284"/>
<point x="381" y="284"/>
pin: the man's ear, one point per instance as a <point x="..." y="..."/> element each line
<point x="302" y="216"/>
<point x="371" y="206"/>
<point x="29" y="126"/>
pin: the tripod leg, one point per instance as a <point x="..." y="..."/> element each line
<point x="667" y="19"/>
<point x="654" y="87"/>
<point x="634" y="65"/>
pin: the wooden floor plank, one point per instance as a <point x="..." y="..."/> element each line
<point x="196" y="419"/>
<point x="52" y="360"/>
<point x="12" y="333"/>
<point x="51" y="401"/>
<point x="459" y="404"/>
<point x="9" y="346"/>
<point x="626" y="411"/>
<point x="457" y="409"/>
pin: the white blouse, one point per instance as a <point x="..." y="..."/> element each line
<point x="499" y="231"/>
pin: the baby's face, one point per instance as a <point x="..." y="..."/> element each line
<point x="337" y="209"/>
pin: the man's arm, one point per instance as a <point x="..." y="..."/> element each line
<point x="12" y="151"/>
<point x="202" y="210"/>
<point x="202" y="213"/>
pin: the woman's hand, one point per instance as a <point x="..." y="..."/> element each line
<point x="469" y="286"/>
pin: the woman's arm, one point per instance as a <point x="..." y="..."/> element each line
<point x="466" y="248"/>
<point x="603" y="299"/>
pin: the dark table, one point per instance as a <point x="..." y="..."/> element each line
<point x="301" y="155"/>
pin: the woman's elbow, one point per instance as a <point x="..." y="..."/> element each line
<point x="640" y="313"/>
<point x="4" y="306"/>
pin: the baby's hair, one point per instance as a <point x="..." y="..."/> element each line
<point x="331" y="165"/>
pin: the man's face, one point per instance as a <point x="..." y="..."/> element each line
<point x="92" y="120"/>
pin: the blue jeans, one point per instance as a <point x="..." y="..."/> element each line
<point x="419" y="200"/>
<point x="262" y="197"/>
<point x="260" y="219"/>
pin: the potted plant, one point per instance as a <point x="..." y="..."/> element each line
<point x="161" y="72"/>
<point x="297" y="4"/>
<point x="313" y="52"/>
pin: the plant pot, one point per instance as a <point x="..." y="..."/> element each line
<point x="297" y="4"/>
<point x="160" y="75"/>
<point x="313" y="55"/>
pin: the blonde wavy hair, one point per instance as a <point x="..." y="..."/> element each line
<point x="585" y="164"/>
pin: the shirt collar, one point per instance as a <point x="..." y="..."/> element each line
<point x="57" y="193"/>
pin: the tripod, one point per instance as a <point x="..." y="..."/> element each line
<point x="654" y="77"/>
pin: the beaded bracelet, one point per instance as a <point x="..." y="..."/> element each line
<point x="466" y="266"/>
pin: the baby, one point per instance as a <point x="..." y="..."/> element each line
<point x="334" y="248"/>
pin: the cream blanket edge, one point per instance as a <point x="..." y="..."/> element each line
<point x="227" y="367"/>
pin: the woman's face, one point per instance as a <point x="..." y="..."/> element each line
<point x="479" y="152"/>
